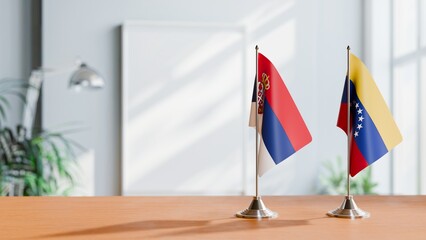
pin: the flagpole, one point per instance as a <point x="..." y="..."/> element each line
<point x="348" y="87"/>
<point x="257" y="208"/>
<point x="348" y="208"/>
<point x="257" y="124"/>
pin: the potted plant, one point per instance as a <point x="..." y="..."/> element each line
<point x="40" y="164"/>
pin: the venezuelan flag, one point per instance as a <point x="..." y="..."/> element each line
<point x="282" y="129"/>
<point x="373" y="130"/>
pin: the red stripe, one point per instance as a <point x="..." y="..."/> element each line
<point x="358" y="161"/>
<point x="342" y="120"/>
<point x="283" y="105"/>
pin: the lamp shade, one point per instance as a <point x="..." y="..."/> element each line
<point x="86" y="77"/>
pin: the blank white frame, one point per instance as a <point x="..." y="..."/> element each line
<point x="130" y="26"/>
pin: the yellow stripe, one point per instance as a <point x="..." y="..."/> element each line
<point x="370" y="97"/>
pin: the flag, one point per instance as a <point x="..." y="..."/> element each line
<point x="373" y="130"/>
<point x="281" y="127"/>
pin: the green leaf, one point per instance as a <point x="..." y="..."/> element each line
<point x="2" y="113"/>
<point x="30" y="180"/>
<point x="4" y="101"/>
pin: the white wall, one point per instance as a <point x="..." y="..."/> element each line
<point x="306" y="39"/>
<point x="15" y="47"/>
<point x="340" y="23"/>
<point x="400" y="77"/>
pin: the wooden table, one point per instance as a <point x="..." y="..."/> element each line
<point x="300" y="217"/>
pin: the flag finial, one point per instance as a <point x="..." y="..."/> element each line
<point x="349" y="48"/>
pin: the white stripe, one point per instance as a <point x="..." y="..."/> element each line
<point x="252" y="119"/>
<point x="265" y="159"/>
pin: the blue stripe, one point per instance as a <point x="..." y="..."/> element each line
<point x="274" y="136"/>
<point x="369" y="140"/>
<point x="345" y="91"/>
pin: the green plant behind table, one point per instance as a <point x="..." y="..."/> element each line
<point x="32" y="165"/>
<point x="334" y="180"/>
<point x="41" y="165"/>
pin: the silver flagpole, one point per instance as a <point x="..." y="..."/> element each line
<point x="348" y="209"/>
<point x="348" y="129"/>
<point x="257" y="208"/>
<point x="257" y="122"/>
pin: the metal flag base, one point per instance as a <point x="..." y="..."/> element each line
<point x="348" y="209"/>
<point x="257" y="209"/>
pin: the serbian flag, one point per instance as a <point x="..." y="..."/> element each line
<point x="281" y="127"/>
<point x="373" y="131"/>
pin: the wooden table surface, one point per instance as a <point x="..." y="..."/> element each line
<point x="300" y="217"/>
